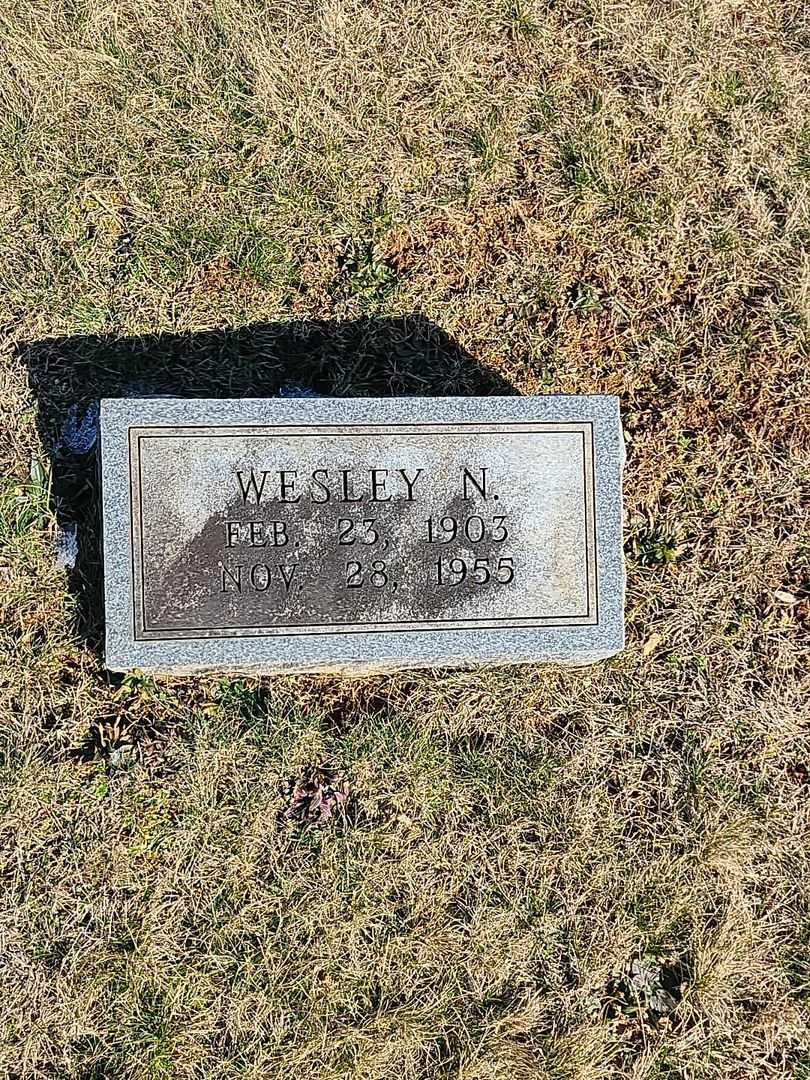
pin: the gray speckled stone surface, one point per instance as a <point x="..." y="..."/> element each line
<point x="361" y="534"/>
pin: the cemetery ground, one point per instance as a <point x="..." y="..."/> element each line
<point x="486" y="874"/>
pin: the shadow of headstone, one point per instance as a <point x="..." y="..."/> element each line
<point x="369" y="357"/>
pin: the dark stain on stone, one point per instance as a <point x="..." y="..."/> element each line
<point x="210" y="585"/>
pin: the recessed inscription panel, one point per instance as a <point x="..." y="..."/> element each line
<point x="329" y="529"/>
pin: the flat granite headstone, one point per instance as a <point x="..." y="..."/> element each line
<point x="362" y="534"/>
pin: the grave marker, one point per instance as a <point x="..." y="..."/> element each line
<point x="363" y="534"/>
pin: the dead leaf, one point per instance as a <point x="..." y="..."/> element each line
<point x="785" y="597"/>
<point x="315" y="796"/>
<point x="652" y="643"/>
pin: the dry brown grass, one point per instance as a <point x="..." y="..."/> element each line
<point x="586" y="197"/>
